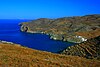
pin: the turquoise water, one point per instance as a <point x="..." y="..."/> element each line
<point x="10" y="31"/>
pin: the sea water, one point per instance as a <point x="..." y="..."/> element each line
<point x="10" y="31"/>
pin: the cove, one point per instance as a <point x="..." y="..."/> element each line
<point x="10" y="31"/>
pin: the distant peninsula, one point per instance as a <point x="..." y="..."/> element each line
<point x="75" y="29"/>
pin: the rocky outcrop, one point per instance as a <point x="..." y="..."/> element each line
<point x="24" y="29"/>
<point x="5" y="42"/>
<point x="72" y="29"/>
<point x="88" y="49"/>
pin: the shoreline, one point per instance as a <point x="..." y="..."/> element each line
<point x="82" y="39"/>
<point x="71" y="29"/>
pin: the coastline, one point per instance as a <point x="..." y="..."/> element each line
<point x="73" y="29"/>
<point x="80" y="30"/>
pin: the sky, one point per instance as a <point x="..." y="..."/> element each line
<point x="33" y="9"/>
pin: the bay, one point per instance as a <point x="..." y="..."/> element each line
<point x="10" y="31"/>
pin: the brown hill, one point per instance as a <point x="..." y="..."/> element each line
<point x="18" y="56"/>
<point x="67" y="28"/>
<point x="89" y="49"/>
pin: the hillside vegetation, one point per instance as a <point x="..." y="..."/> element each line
<point x="18" y="56"/>
<point x="89" y="49"/>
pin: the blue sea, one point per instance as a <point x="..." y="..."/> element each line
<point x="10" y="31"/>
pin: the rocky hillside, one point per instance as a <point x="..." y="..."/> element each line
<point x="72" y="29"/>
<point x="13" y="55"/>
<point x="89" y="49"/>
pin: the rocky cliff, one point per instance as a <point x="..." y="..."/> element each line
<point x="89" y="49"/>
<point x="73" y="29"/>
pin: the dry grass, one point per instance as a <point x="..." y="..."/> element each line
<point x="17" y="56"/>
<point x="89" y="34"/>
